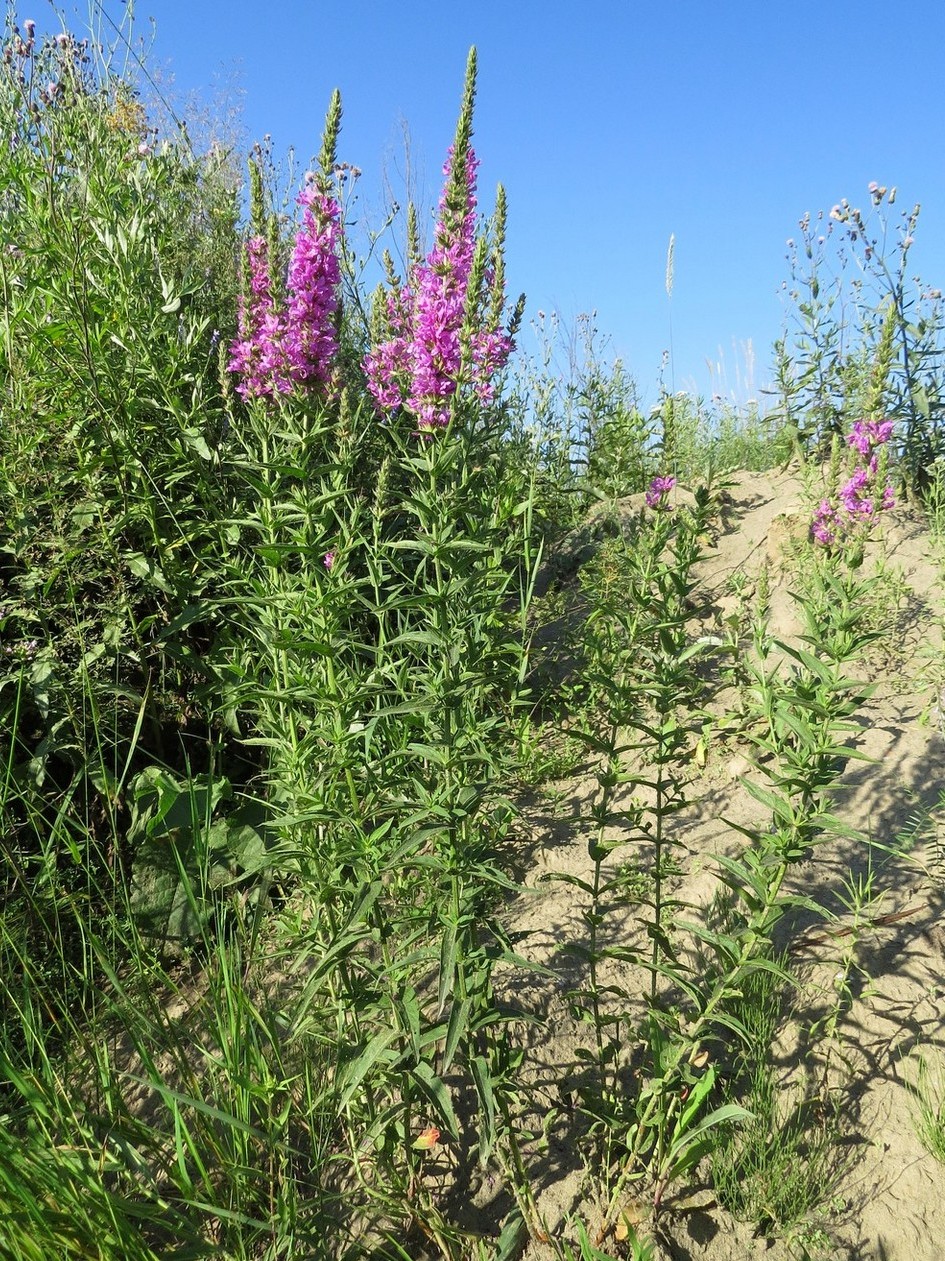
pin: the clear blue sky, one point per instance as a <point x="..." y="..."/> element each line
<point x="612" y="125"/>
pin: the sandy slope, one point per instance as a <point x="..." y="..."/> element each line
<point x="889" y="1203"/>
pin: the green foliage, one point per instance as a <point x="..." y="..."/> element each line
<point x="200" y="711"/>
<point x="780" y="1169"/>
<point x="934" y="501"/>
<point x="870" y="346"/>
<point x="640" y="1250"/>
<point x="929" y="1106"/>
<point x="265" y="685"/>
<point x="713" y="439"/>
<point x="640" y="669"/>
<point x="187" y="863"/>
<point x="591" y="440"/>
<point x="619" y="461"/>
<point x="115" y="292"/>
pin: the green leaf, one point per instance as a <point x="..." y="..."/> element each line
<point x="448" y="951"/>
<point x="148" y="570"/>
<point x="779" y="806"/>
<point x="407" y="1006"/>
<point x="921" y="399"/>
<point x="455" y="1031"/>
<point x="43" y="683"/>
<point x="190" y="1101"/>
<point x="351" y="1075"/>
<point x="483" y="1081"/>
<point x="437" y="1095"/>
<point x="564" y="877"/>
<point x="197" y="443"/>
<point x="166" y="900"/>
<point x="511" y="1237"/>
<point x="685" y="1151"/>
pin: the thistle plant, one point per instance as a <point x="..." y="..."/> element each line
<point x="843" y="328"/>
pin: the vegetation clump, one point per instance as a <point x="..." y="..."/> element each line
<point x="287" y="675"/>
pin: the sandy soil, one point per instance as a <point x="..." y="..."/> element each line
<point x="888" y="1200"/>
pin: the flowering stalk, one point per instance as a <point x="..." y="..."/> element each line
<point x="866" y="492"/>
<point x="443" y="327"/>
<point x="278" y="349"/>
<point x="311" y="335"/>
<point x="257" y="355"/>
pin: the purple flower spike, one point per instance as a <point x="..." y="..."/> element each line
<point x="859" y="500"/>
<point x="866" y="435"/>
<point x="274" y="351"/>
<point x="314" y="278"/>
<point x="258" y="354"/>
<point x="421" y="365"/>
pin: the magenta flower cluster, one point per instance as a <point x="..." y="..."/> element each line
<point x="867" y="435"/>
<point x="258" y="354"/>
<point x="421" y="365"/>
<point x="658" y="490"/>
<point x="861" y="498"/>
<point x="277" y="350"/>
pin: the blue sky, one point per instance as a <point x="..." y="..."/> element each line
<point x="612" y="125"/>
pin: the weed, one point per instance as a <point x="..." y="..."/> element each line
<point x="933" y="501"/>
<point x="778" y="1169"/>
<point x="929" y="1106"/>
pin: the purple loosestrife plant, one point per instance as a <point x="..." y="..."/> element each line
<point x="311" y="335"/>
<point x="867" y="435"/>
<point x="257" y="355"/>
<point x="658" y="491"/>
<point x="826" y="524"/>
<point x="865" y="493"/>
<point x="276" y="350"/>
<point x="431" y="351"/>
<point x="855" y="494"/>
